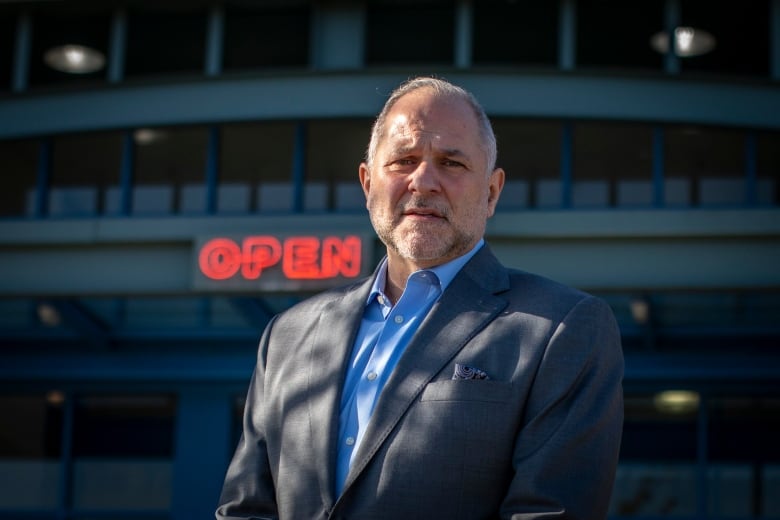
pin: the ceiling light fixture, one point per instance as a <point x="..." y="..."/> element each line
<point x="677" y="402"/>
<point x="74" y="59"/>
<point x="688" y="42"/>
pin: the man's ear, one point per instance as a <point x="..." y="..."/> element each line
<point x="365" y="178"/>
<point x="495" y="185"/>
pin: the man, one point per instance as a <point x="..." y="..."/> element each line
<point x="445" y="385"/>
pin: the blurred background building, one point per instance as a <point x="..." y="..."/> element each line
<point x="173" y="173"/>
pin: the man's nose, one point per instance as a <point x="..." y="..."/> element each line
<point x="425" y="178"/>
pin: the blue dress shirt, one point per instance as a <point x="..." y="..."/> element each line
<point x="384" y="333"/>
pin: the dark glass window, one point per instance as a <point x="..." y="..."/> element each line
<point x="7" y="37"/>
<point x="510" y="32"/>
<point x="615" y="33"/>
<point x="85" y="173"/>
<point x="741" y="35"/>
<point x="612" y="165"/>
<point x="59" y="25"/>
<point x="335" y="150"/>
<point x="529" y="151"/>
<point x="410" y="32"/>
<point x="165" y="38"/>
<point x="266" y="36"/>
<point x="256" y="167"/>
<point x="30" y="447"/>
<point x="170" y="170"/>
<point x="19" y="159"/>
<point x="744" y="457"/>
<point x="657" y="472"/>
<point x="704" y="166"/>
<point x="127" y="440"/>
<point x="768" y="168"/>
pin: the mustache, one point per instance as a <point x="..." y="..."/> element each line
<point x="423" y="205"/>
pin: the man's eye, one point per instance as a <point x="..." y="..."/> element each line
<point x="452" y="164"/>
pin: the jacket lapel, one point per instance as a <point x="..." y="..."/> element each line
<point x="330" y="352"/>
<point x="465" y="308"/>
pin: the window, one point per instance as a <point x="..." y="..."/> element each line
<point x="275" y="35"/>
<point x="30" y="448"/>
<point x="768" y="168"/>
<point x="122" y="452"/>
<point x="335" y="150"/>
<point x="614" y="33"/>
<point x="612" y="165"/>
<point x="165" y="38"/>
<point x="529" y="152"/>
<point x="7" y="37"/>
<point x="84" y="173"/>
<point x="390" y="23"/>
<point x="515" y="33"/>
<point x="744" y="474"/>
<point x="742" y="37"/>
<point x="19" y="159"/>
<point x="657" y="472"/>
<point x="170" y="171"/>
<point x="256" y="167"/>
<point x="704" y="166"/>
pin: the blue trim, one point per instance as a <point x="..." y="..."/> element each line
<point x="43" y="175"/>
<point x="299" y="167"/>
<point x="22" y="51"/>
<point x="214" y="41"/>
<point x="659" y="194"/>
<point x="300" y="97"/>
<point x="464" y="19"/>
<point x="774" y="39"/>
<point x="702" y="449"/>
<point x="66" y="457"/>
<point x="567" y="35"/>
<point x="116" y="58"/>
<point x="751" y="170"/>
<point x="671" y="22"/>
<point x="212" y="169"/>
<point x="567" y="151"/>
<point x="126" y="174"/>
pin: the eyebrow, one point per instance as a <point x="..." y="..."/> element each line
<point x="448" y="152"/>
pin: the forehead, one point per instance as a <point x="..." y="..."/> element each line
<point x="421" y="117"/>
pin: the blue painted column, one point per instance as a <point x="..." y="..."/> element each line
<point x="464" y="19"/>
<point x="299" y="167"/>
<point x="43" y="176"/>
<point x="214" y="41"/>
<point x="567" y="35"/>
<point x="202" y="451"/>
<point x="22" y="46"/>
<point x="567" y="153"/>
<point x="126" y="171"/>
<point x="212" y="170"/>
<point x="671" y="22"/>
<point x="118" y="43"/>
<point x="659" y="194"/>
<point x="774" y="39"/>
<point x="751" y="170"/>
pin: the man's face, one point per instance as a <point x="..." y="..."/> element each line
<point x="428" y="191"/>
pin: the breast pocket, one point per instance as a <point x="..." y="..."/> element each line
<point x="468" y="390"/>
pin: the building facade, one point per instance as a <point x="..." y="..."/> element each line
<point x="198" y="174"/>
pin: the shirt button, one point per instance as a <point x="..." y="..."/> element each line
<point x="371" y="376"/>
<point x="399" y="319"/>
<point x="350" y="441"/>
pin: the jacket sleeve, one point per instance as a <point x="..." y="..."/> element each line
<point x="248" y="492"/>
<point x="566" y="453"/>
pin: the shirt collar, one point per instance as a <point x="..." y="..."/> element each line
<point x="445" y="272"/>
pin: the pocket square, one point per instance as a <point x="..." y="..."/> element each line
<point x="467" y="372"/>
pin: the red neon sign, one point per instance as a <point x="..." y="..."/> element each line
<point x="301" y="257"/>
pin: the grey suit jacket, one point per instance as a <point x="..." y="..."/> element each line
<point x="539" y="439"/>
